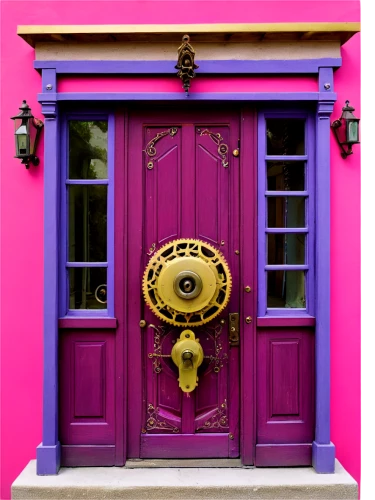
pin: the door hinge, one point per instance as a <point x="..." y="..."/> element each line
<point x="234" y="329"/>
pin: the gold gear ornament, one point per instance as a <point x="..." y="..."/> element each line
<point x="187" y="282"/>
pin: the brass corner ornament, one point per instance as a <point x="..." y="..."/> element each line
<point x="185" y="63"/>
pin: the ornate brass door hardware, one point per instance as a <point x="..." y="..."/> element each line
<point x="222" y="148"/>
<point x="187" y="282"/>
<point x="151" y="149"/>
<point x="185" y="63"/>
<point x="187" y="355"/>
<point x="234" y="329"/>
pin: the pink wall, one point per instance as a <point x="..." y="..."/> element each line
<point x="201" y="84"/>
<point x="22" y="213"/>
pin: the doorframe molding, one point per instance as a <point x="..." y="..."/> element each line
<point x="49" y="451"/>
<point x="206" y="67"/>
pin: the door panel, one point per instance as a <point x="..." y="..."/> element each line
<point x="187" y="178"/>
<point x="285" y="386"/>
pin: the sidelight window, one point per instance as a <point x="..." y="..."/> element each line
<point x="286" y="214"/>
<point x="87" y="276"/>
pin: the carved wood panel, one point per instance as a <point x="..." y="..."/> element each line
<point x="87" y="388"/>
<point x="285" y="386"/>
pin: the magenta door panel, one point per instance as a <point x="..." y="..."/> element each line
<point x="285" y="396"/>
<point x="87" y="397"/>
<point x="184" y="191"/>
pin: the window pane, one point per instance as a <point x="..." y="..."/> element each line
<point x="88" y="146"/>
<point x="88" y="288"/>
<point x="285" y="176"/>
<point x="286" y="249"/>
<point x="285" y="136"/>
<point x="286" y="211"/>
<point x="286" y="289"/>
<point x="87" y="223"/>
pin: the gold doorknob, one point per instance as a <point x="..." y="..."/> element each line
<point x="187" y="355"/>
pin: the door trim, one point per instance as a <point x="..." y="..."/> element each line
<point x="248" y="302"/>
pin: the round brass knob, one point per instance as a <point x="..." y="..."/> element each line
<point x="248" y="319"/>
<point x="187" y="355"/>
<point x="187" y="285"/>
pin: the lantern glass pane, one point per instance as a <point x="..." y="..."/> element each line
<point x="352" y="131"/>
<point x="22" y="141"/>
<point x="33" y="133"/>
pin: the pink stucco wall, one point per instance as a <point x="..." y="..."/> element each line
<point x="22" y="212"/>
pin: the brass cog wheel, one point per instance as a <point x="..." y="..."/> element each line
<point x="187" y="282"/>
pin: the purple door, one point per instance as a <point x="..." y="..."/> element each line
<point x="183" y="173"/>
<point x="184" y="192"/>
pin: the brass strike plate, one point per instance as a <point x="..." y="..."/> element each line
<point x="234" y="331"/>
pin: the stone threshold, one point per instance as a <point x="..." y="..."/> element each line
<point x="187" y="483"/>
<point x="195" y="463"/>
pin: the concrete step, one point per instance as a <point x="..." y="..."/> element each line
<point x="187" y="483"/>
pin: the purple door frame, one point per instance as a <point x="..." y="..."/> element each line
<point x="48" y="452"/>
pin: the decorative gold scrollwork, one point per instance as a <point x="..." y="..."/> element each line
<point x="219" y="420"/>
<point x="159" y="332"/>
<point x="219" y="357"/>
<point x="154" y="421"/>
<point x="152" y="249"/>
<point x="222" y="148"/>
<point x="150" y="148"/>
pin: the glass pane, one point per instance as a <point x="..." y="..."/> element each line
<point x="88" y="146"/>
<point x="285" y="176"/>
<point x="87" y="288"/>
<point x="87" y="223"/>
<point x="286" y="211"/>
<point x="285" y="136"/>
<point x="352" y="131"/>
<point x="286" y="289"/>
<point x="286" y="249"/>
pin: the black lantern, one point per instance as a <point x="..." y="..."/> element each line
<point x="27" y="132"/>
<point x="350" y="135"/>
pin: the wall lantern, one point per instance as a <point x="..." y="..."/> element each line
<point x="27" y="132"/>
<point x="349" y="135"/>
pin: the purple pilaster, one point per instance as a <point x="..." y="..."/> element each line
<point x="323" y="451"/>
<point x="48" y="452"/>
